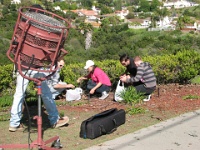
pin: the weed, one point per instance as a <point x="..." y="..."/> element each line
<point x="191" y="97"/>
<point x="131" y="96"/>
<point x="62" y="114"/>
<point x="135" y="110"/>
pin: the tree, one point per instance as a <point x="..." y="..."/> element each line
<point x="26" y="3"/>
<point x="6" y="3"/>
<point x="118" y="5"/>
<point x="154" y="18"/>
<point x="5" y="11"/>
<point x="130" y="15"/>
<point x="105" y="9"/>
<point x="105" y="25"/>
<point x="144" y="6"/>
<point x="154" y="5"/>
<point x="162" y="12"/>
<point x="87" y="3"/>
<point x="182" y="20"/>
<point x="105" y="2"/>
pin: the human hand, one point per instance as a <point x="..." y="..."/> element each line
<point x="92" y="91"/>
<point x="70" y="86"/>
<point x="123" y="78"/>
<point x="79" y="80"/>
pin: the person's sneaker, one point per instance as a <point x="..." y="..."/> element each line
<point x="13" y="129"/>
<point x="61" y="122"/>
<point x="104" y="95"/>
<point x="147" y="98"/>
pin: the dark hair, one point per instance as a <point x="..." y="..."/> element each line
<point x="36" y="6"/>
<point x="124" y="57"/>
<point x="94" y="67"/>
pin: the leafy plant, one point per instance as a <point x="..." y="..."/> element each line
<point x="135" y="110"/>
<point x="195" y="80"/>
<point x="6" y="101"/>
<point x="191" y="97"/>
<point x="131" y="96"/>
<point x="61" y="114"/>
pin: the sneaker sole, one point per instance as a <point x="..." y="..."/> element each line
<point x="104" y="97"/>
<point x="147" y="99"/>
<point x="64" y="123"/>
<point x="13" y="129"/>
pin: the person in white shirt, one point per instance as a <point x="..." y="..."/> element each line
<point x="56" y="86"/>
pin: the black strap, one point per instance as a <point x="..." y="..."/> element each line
<point x="103" y="130"/>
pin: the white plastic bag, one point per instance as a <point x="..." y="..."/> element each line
<point x="119" y="89"/>
<point x="74" y="94"/>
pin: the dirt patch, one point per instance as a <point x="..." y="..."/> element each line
<point x="166" y="98"/>
<point x="166" y="102"/>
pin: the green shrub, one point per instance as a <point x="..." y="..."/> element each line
<point x="70" y="73"/>
<point x="188" y="65"/>
<point x="179" y="68"/>
<point x="130" y="96"/>
<point x="5" y="76"/>
<point x="6" y="101"/>
<point x="195" y="80"/>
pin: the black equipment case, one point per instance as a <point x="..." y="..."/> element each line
<point x="103" y="123"/>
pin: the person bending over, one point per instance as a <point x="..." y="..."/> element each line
<point x="56" y="86"/>
<point x="131" y="68"/>
<point x="145" y="75"/>
<point x="99" y="81"/>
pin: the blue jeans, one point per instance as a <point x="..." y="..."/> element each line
<point x="56" y="92"/>
<point x="91" y="84"/>
<point x="49" y="103"/>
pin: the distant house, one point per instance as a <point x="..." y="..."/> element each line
<point x="15" y="1"/>
<point x="198" y="24"/>
<point x="139" y="23"/>
<point x="122" y="13"/>
<point x="19" y="1"/>
<point x="142" y="22"/>
<point x="191" y="26"/>
<point x="90" y="15"/>
<point x="179" y="4"/>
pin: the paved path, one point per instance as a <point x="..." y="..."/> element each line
<point x="180" y="133"/>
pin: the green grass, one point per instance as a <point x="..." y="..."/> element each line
<point x="190" y="97"/>
<point x="69" y="135"/>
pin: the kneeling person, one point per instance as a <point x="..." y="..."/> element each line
<point x="145" y="75"/>
<point x="99" y="83"/>
<point x="56" y="86"/>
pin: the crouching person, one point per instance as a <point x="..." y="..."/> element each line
<point x="145" y="75"/>
<point x="98" y="80"/>
<point x="56" y="86"/>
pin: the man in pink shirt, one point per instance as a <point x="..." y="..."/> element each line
<point x="99" y="83"/>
